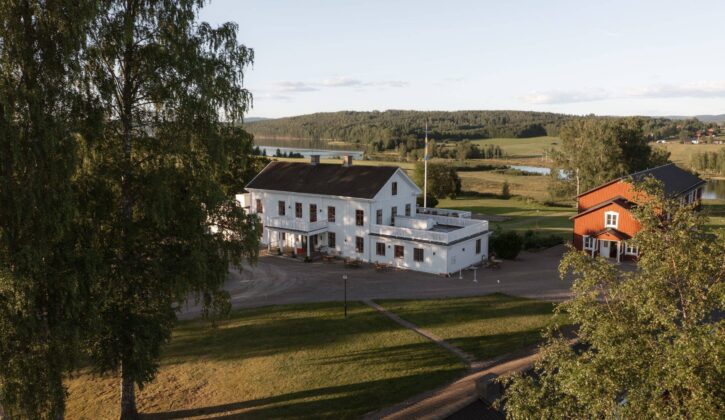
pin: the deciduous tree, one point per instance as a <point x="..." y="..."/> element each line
<point x="162" y="174"/>
<point x="653" y="338"/>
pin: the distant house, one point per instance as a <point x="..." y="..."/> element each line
<point x="604" y="221"/>
<point x="361" y="212"/>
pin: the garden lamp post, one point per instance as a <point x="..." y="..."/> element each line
<point x="344" y="280"/>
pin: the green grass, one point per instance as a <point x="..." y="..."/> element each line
<point x="520" y="214"/>
<point x="486" y="327"/>
<point x="715" y="209"/>
<point x="522" y="148"/>
<point x="681" y="154"/>
<point x="295" y="361"/>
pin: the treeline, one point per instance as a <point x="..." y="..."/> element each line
<point x="257" y="151"/>
<point x="388" y="129"/>
<point x="709" y="161"/>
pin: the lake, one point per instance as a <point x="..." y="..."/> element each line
<point x="714" y="190"/>
<point x="323" y="153"/>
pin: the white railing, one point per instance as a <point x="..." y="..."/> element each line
<point x="479" y="226"/>
<point x="295" y="224"/>
<point x="444" y="212"/>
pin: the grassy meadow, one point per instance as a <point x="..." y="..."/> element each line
<point x="486" y="326"/>
<point x="681" y="154"/>
<point x="307" y="361"/>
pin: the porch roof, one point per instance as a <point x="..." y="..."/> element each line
<point x="612" y="233"/>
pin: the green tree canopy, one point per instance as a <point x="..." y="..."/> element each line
<point x="596" y="150"/>
<point x="443" y="180"/>
<point x="653" y="338"/>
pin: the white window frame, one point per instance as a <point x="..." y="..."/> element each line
<point x="593" y="242"/>
<point x="616" y="219"/>
<point x="630" y="250"/>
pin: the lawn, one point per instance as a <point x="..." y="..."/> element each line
<point x="295" y="361"/>
<point x="715" y="209"/>
<point x="520" y="214"/>
<point x="486" y="326"/>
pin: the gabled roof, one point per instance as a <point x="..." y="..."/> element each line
<point x="614" y="232"/>
<point x="675" y="180"/>
<point x="618" y="200"/>
<point x="325" y="179"/>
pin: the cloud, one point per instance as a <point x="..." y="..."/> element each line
<point x="338" y="82"/>
<point x="692" y="90"/>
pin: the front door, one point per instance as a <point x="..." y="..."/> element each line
<point x="604" y="248"/>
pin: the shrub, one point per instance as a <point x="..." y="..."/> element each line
<point x="536" y="240"/>
<point x="507" y="245"/>
<point x="505" y="190"/>
<point x="432" y="201"/>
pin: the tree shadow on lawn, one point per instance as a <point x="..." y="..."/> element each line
<point x="341" y="401"/>
<point x="277" y="332"/>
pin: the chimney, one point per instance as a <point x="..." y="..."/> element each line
<point x="347" y="160"/>
<point x="314" y="160"/>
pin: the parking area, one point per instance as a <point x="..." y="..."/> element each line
<point x="279" y="280"/>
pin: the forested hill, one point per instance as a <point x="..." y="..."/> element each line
<point x="392" y="127"/>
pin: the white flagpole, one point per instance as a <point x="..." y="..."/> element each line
<point x="425" y="170"/>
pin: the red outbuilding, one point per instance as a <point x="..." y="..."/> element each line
<point x="604" y="222"/>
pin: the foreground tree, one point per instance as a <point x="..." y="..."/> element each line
<point x="596" y="150"/>
<point x="653" y="338"/>
<point x="42" y="280"/>
<point x="161" y="175"/>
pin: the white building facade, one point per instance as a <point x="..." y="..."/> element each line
<point x="361" y="212"/>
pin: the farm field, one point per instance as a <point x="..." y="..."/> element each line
<point x="491" y="182"/>
<point x="522" y="148"/>
<point x="486" y="326"/>
<point x="294" y="361"/>
<point x="681" y="154"/>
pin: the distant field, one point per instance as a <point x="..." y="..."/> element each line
<point x="523" y="148"/>
<point x="681" y="154"/>
<point x="491" y="182"/>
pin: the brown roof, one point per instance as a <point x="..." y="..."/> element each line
<point x="326" y="179"/>
<point x="675" y="180"/>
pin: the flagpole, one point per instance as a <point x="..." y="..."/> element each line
<point x="425" y="166"/>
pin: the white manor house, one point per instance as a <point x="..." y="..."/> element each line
<point x="361" y="212"/>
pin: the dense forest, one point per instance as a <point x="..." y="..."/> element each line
<point x="377" y="131"/>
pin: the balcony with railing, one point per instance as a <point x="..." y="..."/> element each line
<point x="440" y="229"/>
<point x="295" y="224"/>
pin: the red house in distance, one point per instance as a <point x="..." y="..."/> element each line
<point x="604" y="221"/>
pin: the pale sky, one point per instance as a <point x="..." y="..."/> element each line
<point x="603" y="57"/>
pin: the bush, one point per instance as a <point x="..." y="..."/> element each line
<point x="432" y="201"/>
<point x="535" y="240"/>
<point x="505" y="191"/>
<point x="507" y="245"/>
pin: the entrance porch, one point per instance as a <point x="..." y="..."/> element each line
<point x="306" y="244"/>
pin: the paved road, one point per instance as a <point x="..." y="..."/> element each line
<point x="278" y="280"/>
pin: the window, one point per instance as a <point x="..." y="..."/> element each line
<point x="589" y="242"/>
<point x="359" y="244"/>
<point x="259" y="206"/>
<point x="478" y="246"/>
<point x="379" y="216"/>
<point x="393" y="213"/>
<point x="331" y="239"/>
<point x="418" y="254"/>
<point x="611" y="219"/>
<point x="280" y="208"/>
<point x="395" y="188"/>
<point x="399" y="251"/>
<point x="380" y="249"/>
<point x="407" y="209"/>
<point x="359" y="217"/>
<point x="630" y="250"/>
<point x="313" y="213"/>
<point x="298" y="210"/>
<point x="331" y="214"/>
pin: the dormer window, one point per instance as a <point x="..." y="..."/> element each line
<point x="611" y="219"/>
